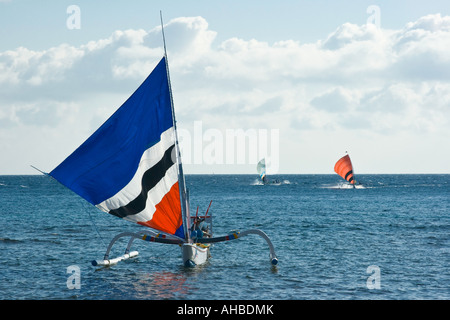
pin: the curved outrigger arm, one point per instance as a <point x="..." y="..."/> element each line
<point x="237" y="235"/>
<point x="144" y="235"/>
<point x="163" y="238"/>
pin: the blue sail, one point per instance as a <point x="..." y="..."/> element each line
<point x="128" y="166"/>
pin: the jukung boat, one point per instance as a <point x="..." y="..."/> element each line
<point x="344" y="168"/>
<point x="131" y="168"/>
<point x="261" y="169"/>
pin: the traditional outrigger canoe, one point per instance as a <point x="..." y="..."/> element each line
<point x="344" y="168"/>
<point x="131" y="167"/>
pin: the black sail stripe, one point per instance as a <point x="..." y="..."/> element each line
<point x="149" y="179"/>
<point x="348" y="173"/>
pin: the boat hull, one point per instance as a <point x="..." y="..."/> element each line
<point x="194" y="254"/>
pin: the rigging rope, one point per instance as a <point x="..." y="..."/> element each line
<point x="92" y="220"/>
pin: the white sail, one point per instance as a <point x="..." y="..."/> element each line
<point x="261" y="168"/>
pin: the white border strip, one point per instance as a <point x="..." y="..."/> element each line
<point x="149" y="158"/>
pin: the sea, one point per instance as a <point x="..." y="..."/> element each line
<point x="387" y="239"/>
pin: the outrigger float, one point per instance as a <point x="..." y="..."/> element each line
<point x="131" y="168"/>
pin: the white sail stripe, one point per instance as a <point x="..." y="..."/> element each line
<point x="155" y="195"/>
<point x="149" y="158"/>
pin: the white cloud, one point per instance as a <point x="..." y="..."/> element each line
<point x="359" y="79"/>
<point x="336" y="100"/>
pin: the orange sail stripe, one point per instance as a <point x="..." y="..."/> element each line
<point x="167" y="216"/>
<point x="344" y="168"/>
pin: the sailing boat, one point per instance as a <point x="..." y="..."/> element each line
<point x="131" y="168"/>
<point x="261" y="169"/>
<point x="344" y="168"/>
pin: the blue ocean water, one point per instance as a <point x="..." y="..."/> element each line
<point x="389" y="239"/>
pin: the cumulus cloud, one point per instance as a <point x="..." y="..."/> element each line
<point x="336" y="100"/>
<point x="360" y="77"/>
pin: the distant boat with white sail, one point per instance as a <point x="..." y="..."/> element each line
<point x="261" y="169"/>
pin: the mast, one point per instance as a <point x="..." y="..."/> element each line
<point x="353" y="171"/>
<point x="183" y="194"/>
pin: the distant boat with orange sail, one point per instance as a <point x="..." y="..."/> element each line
<point x="344" y="168"/>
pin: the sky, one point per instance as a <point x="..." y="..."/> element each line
<point x="297" y="82"/>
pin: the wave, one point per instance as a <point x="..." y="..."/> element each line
<point x="8" y="240"/>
